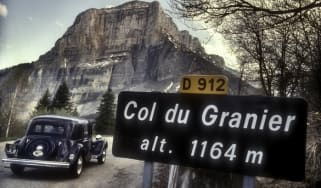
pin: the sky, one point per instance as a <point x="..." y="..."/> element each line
<point x="29" y="28"/>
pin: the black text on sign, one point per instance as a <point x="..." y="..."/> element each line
<point x="205" y="84"/>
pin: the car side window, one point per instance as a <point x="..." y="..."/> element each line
<point x="78" y="132"/>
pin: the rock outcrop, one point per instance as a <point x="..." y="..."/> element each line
<point x="134" y="46"/>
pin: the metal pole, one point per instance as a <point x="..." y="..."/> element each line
<point x="148" y="174"/>
<point x="248" y="182"/>
<point x="172" y="179"/>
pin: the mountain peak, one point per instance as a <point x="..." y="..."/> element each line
<point x="134" y="46"/>
<point x="99" y="32"/>
<point x="136" y="5"/>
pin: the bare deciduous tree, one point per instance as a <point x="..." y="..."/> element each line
<point x="276" y="39"/>
<point x="278" y="43"/>
<point x="221" y="10"/>
<point x="14" y="84"/>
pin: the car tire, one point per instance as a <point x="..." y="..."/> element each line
<point x="102" y="158"/>
<point x="77" y="167"/>
<point x="17" y="169"/>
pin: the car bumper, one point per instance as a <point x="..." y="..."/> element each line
<point x="36" y="163"/>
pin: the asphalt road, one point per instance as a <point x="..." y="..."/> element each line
<point x="115" y="173"/>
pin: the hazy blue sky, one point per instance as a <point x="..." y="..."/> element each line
<point x="29" y="28"/>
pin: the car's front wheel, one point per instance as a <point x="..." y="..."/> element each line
<point x="17" y="169"/>
<point x="77" y="167"/>
<point x="102" y="158"/>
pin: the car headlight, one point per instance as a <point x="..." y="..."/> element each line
<point x="71" y="156"/>
<point x="11" y="148"/>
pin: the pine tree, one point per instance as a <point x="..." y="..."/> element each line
<point x="62" y="99"/>
<point x="43" y="104"/>
<point x="106" y="114"/>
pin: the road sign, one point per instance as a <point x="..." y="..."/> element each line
<point x="204" y="84"/>
<point x="250" y="135"/>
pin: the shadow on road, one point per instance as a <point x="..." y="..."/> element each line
<point x="48" y="174"/>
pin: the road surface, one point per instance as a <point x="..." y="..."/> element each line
<point x="115" y="173"/>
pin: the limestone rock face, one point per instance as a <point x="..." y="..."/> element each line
<point x="135" y="46"/>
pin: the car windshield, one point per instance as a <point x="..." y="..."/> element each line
<point x="49" y="127"/>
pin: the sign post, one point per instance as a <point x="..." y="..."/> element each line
<point x="148" y="174"/>
<point x="248" y="135"/>
<point x="248" y="182"/>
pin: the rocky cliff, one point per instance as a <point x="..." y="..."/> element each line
<point x="134" y="46"/>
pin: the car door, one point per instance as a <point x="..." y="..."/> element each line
<point x="87" y="141"/>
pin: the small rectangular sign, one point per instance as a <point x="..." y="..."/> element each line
<point x="205" y="84"/>
<point x="249" y="135"/>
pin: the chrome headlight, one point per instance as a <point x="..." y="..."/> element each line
<point x="11" y="148"/>
<point x="71" y="156"/>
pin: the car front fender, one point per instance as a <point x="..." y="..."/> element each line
<point x="75" y="150"/>
<point x="98" y="147"/>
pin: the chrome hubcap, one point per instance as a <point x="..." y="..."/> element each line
<point x="79" y="165"/>
<point x="104" y="156"/>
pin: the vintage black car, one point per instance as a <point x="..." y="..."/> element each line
<point x="56" y="142"/>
